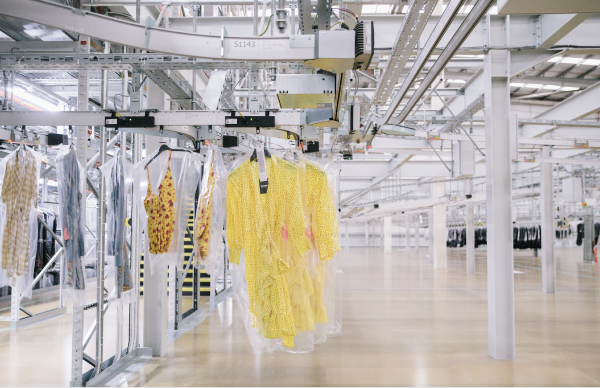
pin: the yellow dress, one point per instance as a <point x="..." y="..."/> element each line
<point x="323" y="226"/>
<point x="255" y="224"/>
<point x="299" y="279"/>
<point x="161" y="213"/>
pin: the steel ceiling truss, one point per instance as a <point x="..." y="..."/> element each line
<point x="117" y="62"/>
<point x="414" y="22"/>
<point x="465" y="115"/>
<point x="178" y="124"/>
<point x="172" y="86"/>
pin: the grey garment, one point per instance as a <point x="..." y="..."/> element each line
<point x="70" y="200"/>
<point x="116" y="208"/>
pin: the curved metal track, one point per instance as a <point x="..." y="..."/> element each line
<point x="160" y="40"/>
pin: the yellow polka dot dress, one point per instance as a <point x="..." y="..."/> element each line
<point x="267" y="227"/>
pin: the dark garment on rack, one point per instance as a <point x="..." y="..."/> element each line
<point x="579" y="234"/>
<point x="115" y="226"/>
<point x="73" y="233"/>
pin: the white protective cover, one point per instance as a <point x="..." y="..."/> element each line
<point x="331" y="271"/>
<point x="73" y="265"/>
<point x="23" y="284"/>
<point x="210" y="214"/>
<point x="304" y="340"/>
<point x="111" y="268"/>
<point x="185" y="169"/>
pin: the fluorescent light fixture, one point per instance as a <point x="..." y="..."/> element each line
<point x="551" y="87"/>
<point x="572" y="60"/>
<point x="404" y="9"/>
<point x="591" y="62"/>
<point x="35" y="100"/>
<point x="554" y="59"/>
<point x="516" y="84"/>
<point x="460" y="81"/>
<point x="383" y="8"/>
<point x="534" y="86"/>
<point x="4" y="37"/>
<point x="369" y="8"/>
<point x="569" y="89"/>
<point x="43" y="33"/>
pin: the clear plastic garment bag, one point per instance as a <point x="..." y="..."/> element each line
<point x="19" y="176"/>
<point x="165" y="183"/>
<point x="282" y="234"/>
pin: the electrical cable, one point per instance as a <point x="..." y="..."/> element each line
<point x="266" y="28"/>
<point x="334" y="141"/>
<point x="240" y="80"/>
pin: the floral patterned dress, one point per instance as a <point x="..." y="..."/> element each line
<point x="161" y="213"/>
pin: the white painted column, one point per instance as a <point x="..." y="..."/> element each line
<point x="347" y="236"/>
<point x="366" y="234"/>
<point x="547" y="210"/>
<point x="155" y="282"/>
<point x="431" y="235"/>
<point x="439" y="226"/>
<point x="470" y="237"/>
<point x="387" y="231"/>
<point x="417" y="234"/>
<point x="408" y="231"/>
<point x="501" y="311"/>
<point x="382" y="234"/>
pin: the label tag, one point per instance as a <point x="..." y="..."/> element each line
<point x="111" y="121"/>
<point x="231" y="121"/>
<point x="263" y="180"/>
<point x="66" y="234"/>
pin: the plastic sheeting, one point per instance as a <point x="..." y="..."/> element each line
<point x="118" y="183"/>
<point x="71" y="184"/>
<point x="19" y="176"/>
<point x="184" y="167"/>
<point x="210" y="214"/>
<point x="285" y="280"/>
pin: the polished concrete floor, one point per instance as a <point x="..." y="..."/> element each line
<point x="404" y="323"/>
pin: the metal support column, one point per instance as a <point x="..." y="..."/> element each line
<point x="588" y="238"/>
<point x="501" y="312"/>
<point x="101" y="232"/>
<point x="417" y="233"/>
<point x="156" y="317"/>
<point x="80" y="150"/>
<point x="547" y="210"/>
<point x="367" y="234"/>
<point x="431" y="235"/>
<point x="172" y="296"/>
<point x="408" y="233"/>
<point x="438" y="226"/>
<point x="347" y="235"/>
<point x="134" y="339"/>
<point x="387" y="231"/>
<point x="470" y="237"/>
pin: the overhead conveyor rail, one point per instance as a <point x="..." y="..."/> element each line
<point x="223" y="47"/>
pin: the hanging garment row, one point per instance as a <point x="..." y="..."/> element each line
<point x="524" y="237"/>
<point x="457" y="237"/>
<point x="46" y="247"/>
<point x="281" y="214"/>
<point x="581" y="234"/>
<point x="527" y="237"/>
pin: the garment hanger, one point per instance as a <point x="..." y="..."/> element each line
<point x="163" y="148"/>
<point x="267" y="154"/>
